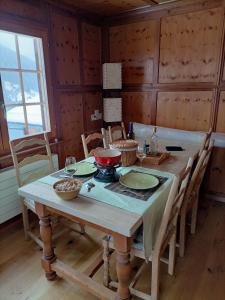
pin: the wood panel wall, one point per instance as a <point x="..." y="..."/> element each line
<point x="175" y="55"/>
<point x="185" y="110"/>
<point x="134" y="46"/>
<point x="173" y="70"/>
<point x="190" y="47"/>
<point x="75" y="65"/>
<point x="77" y="59"/>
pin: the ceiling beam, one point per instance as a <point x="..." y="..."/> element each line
<point x="152" y="2"/>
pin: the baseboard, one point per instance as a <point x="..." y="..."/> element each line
<point x="216" y="197"/>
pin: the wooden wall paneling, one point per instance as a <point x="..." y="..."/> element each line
<point x="157" y="52"/>
<point x="66" y="44"/>
<point x="215" y="177"/>
<point x="105" y="44"/>
<point x="91" y="46"/>
<point x="159" y="11"/>
<point x="71" y="115"/>
<point x="134" y="46"/>
<point x="107" y="7"/>
<point x="185" y="110"/>
<point x="32" y="10"/>
<point x="220" y="126"/>
<point x="190" y="47"/>
<point x="223" y="72"/>
<point x="136" y="107"/>
<point x="53" y="73"/>
<point x="92" y="102"/>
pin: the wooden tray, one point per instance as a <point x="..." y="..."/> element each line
<point x="157" y="160"/>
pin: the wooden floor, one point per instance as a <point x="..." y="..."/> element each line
<point x="199" y="276"/>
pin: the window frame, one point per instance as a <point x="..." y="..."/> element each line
<point x="39" y="31"/>
<point x="39" y="71"/>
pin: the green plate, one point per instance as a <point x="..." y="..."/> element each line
<point x="84" y="169"/>
<point x="139" y="181"/>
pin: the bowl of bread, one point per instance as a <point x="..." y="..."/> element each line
<point x="67" y="189"/>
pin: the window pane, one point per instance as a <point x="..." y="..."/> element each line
<point x="27" y="53"/>
<point x="31" y="90"/>
<point x="16" y="123"/>
<point x="34" y="118"/>
<point x="11" y="87"/>
<point x="8" y="58"/>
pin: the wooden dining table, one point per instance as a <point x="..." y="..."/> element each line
<point x="119" y="223"/>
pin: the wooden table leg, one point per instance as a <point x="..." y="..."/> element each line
<point x="123" y="267"/>
<point x="46" y="235"/>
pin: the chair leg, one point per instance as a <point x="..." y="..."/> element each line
<point x="26" y="224"/>
<point x="194" y="214"/>
<point x="172" y="254"/>
<point x="182" y="233"/>
<point x="155" y="278"/>
<point x="106" y="258"/>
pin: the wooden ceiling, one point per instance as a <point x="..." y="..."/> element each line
<point x="112" y="7"/>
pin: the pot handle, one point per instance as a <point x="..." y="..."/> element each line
<point x="117" y="166"/>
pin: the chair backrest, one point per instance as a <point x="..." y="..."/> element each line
<point x="206" y="142"/>
<point x="117" y="133"/>
<point x="90" y="138"/>
<point x="21" y="147"/>
<point x="172" y="209"/>
<point x="199" y="172"/>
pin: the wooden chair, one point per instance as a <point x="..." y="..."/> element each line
<point x="90" y="138"/>
<point x="166" y="236"/>
<point x="115" y="130"/>
<point x="206" y="141"/>
<point x="192" y="196"/>
<point x="16" y="149"/>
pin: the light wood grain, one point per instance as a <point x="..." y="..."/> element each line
<point x="83" y="208"/>
<point x="166" y="235"/>
<point x="207" y="282"/>
<point x="198" y="38"/>
<point x="28" y="143"/>
<point x="133" y="45"/>
<point x="90" y="138"/>
<point x="184" y="110"/>
<point x="117" y="132"/>
<point x="137" y="107"/>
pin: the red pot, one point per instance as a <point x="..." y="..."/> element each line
<point x="107" y="157"/>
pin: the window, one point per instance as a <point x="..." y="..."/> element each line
<point x="22" y="75"/>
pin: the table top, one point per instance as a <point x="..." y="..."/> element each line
<point x="108" y="217"/>
<point x="178" y="159"/>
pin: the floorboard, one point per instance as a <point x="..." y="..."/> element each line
<point x="200" y="275"/>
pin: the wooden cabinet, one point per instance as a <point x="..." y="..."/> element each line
<point x="190" y="46"/>
<point x="134" y="46"/>
<point x="185" y="110"/>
